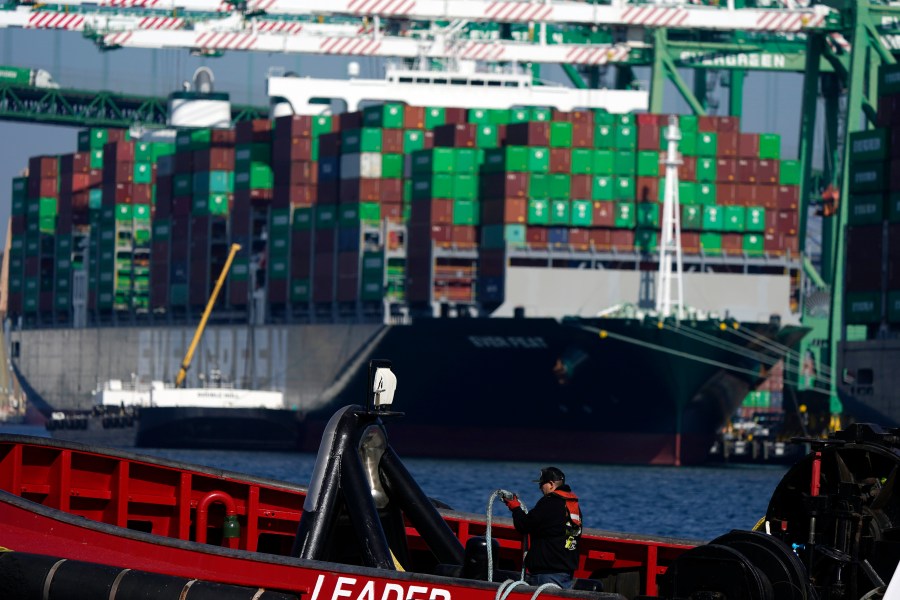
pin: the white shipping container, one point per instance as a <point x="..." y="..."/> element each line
<point x="363" y="165"/>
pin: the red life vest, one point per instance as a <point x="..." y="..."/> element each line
<point x="573" y="522"/>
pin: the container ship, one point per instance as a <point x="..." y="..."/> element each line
<point x="480" y="249"/>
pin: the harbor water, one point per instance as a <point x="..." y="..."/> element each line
<point x="698" y="503"/>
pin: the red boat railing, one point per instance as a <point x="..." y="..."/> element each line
<point x="188" y="502"/>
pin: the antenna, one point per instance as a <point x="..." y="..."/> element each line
<point x="670" y="242"/>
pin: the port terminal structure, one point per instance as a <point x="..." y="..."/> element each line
<point x="834" y="44"/>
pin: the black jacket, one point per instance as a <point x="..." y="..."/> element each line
<point x="546" y="526"/>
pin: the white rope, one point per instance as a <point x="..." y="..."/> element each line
<point x="504" y="590"/>
<point x="543" y="587"/>
<point x="487" y="535"/>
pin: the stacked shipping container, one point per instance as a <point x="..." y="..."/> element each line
<point x="308" y="198"/>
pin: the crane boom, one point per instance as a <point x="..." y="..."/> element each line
<point x="186" y="363"/>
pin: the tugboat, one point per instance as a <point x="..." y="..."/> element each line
<point x="80" y="521"/>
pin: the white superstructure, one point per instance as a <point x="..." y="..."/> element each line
<point x="217" y="394"/>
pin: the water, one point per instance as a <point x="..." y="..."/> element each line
<point x="698" y="503"/>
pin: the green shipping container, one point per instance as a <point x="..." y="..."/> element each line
<point x="560" y="212"/>
<point x="647" y="214"/>
<point x="713" y="219"/>
<point x="604" y="136"/>
<point x="480" y="116"/>
<point x="303" y="218"/>
<point x="498" y="236"/>
<point x="770" y="146"/>
<point x="626" y="137"/>
<point x="706" y="169"/>
<point x="259" y="177"/>
<point x="624" y="163"/>
<point x="647" y="163"/>
<point x="707" y="144"/>
<point x="626" y="215"/>
<point x="560" y="135"/>
<point x="582" y="213"/>
<point x="893" y="307"/>
<point x="498" y="116"/>
<point x="214" y="182"/>
<point x="582" y="161"/>
<point x="624" y="188"/>
<point x="866" y="209"/>
<point x="646" y="240"/>
<point x="434" y="116"/>
<point x="465" y="187"/>
<point x="560" y="186"/>
<point x="435" y="160"/>
<point x="711" y="243"/>
<point x="862" y="307"/>
<point x="143" y="172"/>
<point x="789" y="172"/>
<point x="467" y="160"/>
<point x="603" y="162"/>
<point x="691" y="216"/>
<point x="756" y="219"/>
<point x="487" y="136"/>
<point x="735" y="217"/>
<point x="753" y="243"/>
<point x="427" y="186"/>
<point x="893" y="207"/>
<point x="465" y="211"/>
<point x="538" y="212"/>
<point x="602" y="188"/>
<point x="391" y="166"/>
<point x="867" y="177"/>
<point x="704" y="193"/>
<point x="367" y="139"/>
<point x="413" y="139"/>
<point x="387" y="116"/>
<point x="539" y="186"/>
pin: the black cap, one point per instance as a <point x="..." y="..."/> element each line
<point x="551" y="474"/>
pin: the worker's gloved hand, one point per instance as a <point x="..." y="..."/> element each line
<point x="512" y="502"/>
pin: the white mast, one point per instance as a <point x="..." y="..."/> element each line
<point x="670" y="240"/>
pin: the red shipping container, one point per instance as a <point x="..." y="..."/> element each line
<point x="767" y="171"/>
<point x="580" y="186"/>
<point x="746" y="170"/>
<point x="76" y="162"/>
<point x="456" y="115"/>
<point x="745" y="195"/>
<point x="733" y="243"/>
<point x="222" y="138"/>
<point x="601" y="239"/>
<point x="459" y="135"/>
<point x="688" y="169"/>
<point x="580" y="238"/>
<point x="535" y="237"/>
<point x="118" y="172"/>
<point x="494" y="186"/>
<point x="888" y="111"/>
<point x="726" y="193"/>
<point x="413" y="117"/>
<point x="214" y="159"/>
<point x="42" y="187"/>
<point x="748" y="145"/>
<point x="360" y="190"/>
<point x="728" y="124"/>
<point x="650" y="120"/>
<point x="81" y="203"/>
<point x="648" y="137"/>
<point x="289" y="126"/>
<point x="118" y="152"/>
<point x="787" y="196"/>
<point x="726" y="170"/>
<point x="392" y="141"/>
<point x="429" y="139"/>
<point x="238" y="292"/>
<point x="509" y="210"/>
<point x="350" y="120"/>
<point x="301" y="149"/>
<point x="708" y="124"/>
<point x="96" y="176"/>
<point x="295" y="172"/>
<point x="582" y="135"/>
<point x="74" y="182"/>
<point x="690" y="242"/>
<point x="560" y="160"/>
<point x="391" y="191"/>
<point x="464" y="236"/>
<point x="788" y="222"/>
<point x="622" y="239"/>
<point x="43" y="166"/>
<point x="766" y="196"/>
<point x="392" y="212"/>
<point x="293" y="195"/>
<point x="582" y="117"/>
<point x="438" y="211"/>
<point x="604" y="214"/>
<point x="727" y="143"/>
<point x="532" y="133"/>
<point x="647" y="189"/>
<point x="253" y="131"/>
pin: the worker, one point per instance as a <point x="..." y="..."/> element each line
<point x="553" y="527"/>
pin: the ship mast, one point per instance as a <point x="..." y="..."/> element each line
<point x="670" y="240"/>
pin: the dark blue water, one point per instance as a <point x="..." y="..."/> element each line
<point x="691" y="502"/>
